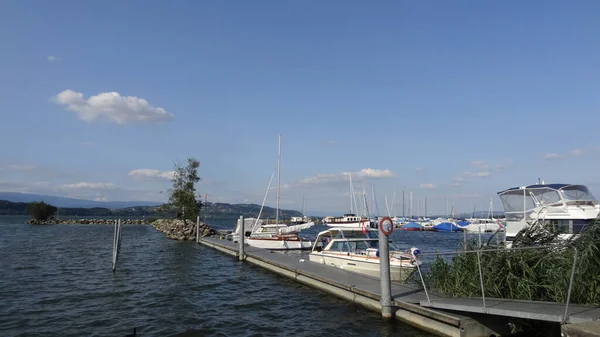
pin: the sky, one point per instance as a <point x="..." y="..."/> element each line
<point x="449" y="100"/>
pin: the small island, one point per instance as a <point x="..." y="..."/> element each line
<point x="176" y="218"/>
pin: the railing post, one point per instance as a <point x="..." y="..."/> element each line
<point x="481" y="279"/>
<point x="566" y="317"/>
<point x="423" y="281"/>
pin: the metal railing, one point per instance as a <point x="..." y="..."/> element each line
<point x="506" y="250"/>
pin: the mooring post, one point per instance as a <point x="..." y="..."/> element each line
<point x="197" y="229"/>
<point x="385" y="228"/>
<point x="242" y="237"/>
<point x="116" y="244"/>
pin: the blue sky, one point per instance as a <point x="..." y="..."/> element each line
<point x="453" y="100"/>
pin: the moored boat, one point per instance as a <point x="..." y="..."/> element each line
<point x="566" y="208"/>
<point x="356" y="250"/>
<point x="411" y="226"/>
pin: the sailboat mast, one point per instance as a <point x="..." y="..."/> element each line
<point x="410" y="209"/>
<point x="350" y="175"/>
<point x="403" y="206"/>
<point x="278" y="179"/>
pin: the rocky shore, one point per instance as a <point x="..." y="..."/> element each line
<point x="53" y="221"/>
<point x="178" y="230"/>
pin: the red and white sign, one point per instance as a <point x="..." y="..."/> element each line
<point x="386" y="225"/>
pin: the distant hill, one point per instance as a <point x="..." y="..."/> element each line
<point x="71" y="202"/>
<point x="211" y="210"/>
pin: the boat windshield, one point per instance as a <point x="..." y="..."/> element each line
<point x="577" y="193"/>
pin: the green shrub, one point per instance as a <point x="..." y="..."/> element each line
<point x="41" y="210"/>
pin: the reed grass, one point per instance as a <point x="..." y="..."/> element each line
<point x="534" y="274"/>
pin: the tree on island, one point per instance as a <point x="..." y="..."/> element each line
<point x="41" y="210"/>
<point x="182" y="197"/>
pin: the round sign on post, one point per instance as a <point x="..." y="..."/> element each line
<point x="386" y="225"/>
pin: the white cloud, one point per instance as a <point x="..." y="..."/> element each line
<point x="480" y="164"/>
<point x="552" y="156"/>
<point x="52" y="58"/>
<point x="428" y="185"/>
<point x="372" y="173"/>
<point x="18" y="167"/>
<point x="89" y="186"/>
<point x="457" y="181"/>
<point x="577" y="152"/>
<point x="113" y="107"/>
<point x="477" y="174"/>
<point x="151" y="174"/>
<point x="333" y="178"/>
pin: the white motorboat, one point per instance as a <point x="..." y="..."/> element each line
<point x="279" y="242"/>
<point x="356" y="250"/>
<point x="564" y="207"/>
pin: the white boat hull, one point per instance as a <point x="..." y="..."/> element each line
<point x="365" y="223"/>
<point x="367" y="266"/>
<point x="278" y="244"/>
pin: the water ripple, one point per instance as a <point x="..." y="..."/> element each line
<point x="57" y="281"/>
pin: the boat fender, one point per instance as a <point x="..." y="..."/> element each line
<point x="377" y="253"/>
<point x="414" y="251"/>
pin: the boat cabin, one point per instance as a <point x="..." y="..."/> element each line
<point x="350" y="240"/>
<point x="569" y="207"/>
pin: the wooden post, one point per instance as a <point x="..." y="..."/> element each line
<point x="197" y="229"/>
<point x="242" y="237"/>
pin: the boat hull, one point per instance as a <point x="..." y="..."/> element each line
<point x="366" y="266"/>
<point x="356" y="224"/>
<point x="279" y="244"/>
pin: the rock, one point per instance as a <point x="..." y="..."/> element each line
<point x="181" y="230"/>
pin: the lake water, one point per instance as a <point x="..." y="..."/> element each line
<point x="56" y="280"/>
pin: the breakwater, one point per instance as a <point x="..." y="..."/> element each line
<point x="182" y="230"/>
<point x="107" y="221"/>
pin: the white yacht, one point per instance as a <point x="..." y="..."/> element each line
<point x="349" y="220"/>
<point x="568" y="208"/>
<point x="356" y="250"/>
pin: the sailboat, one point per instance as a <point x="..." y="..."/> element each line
<point x="279" y="236"/>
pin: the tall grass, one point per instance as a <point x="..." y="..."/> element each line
<point x="530" y="274"/>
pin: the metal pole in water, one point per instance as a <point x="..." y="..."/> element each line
<point x="117" y="244"/>
<point x="197" y="229"/>
<point x="114" y="253"/>
<point x="242" y="237"/>
<point x="385" y="228"/>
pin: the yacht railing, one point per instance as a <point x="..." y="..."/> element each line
<point x="506" y="250"/>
